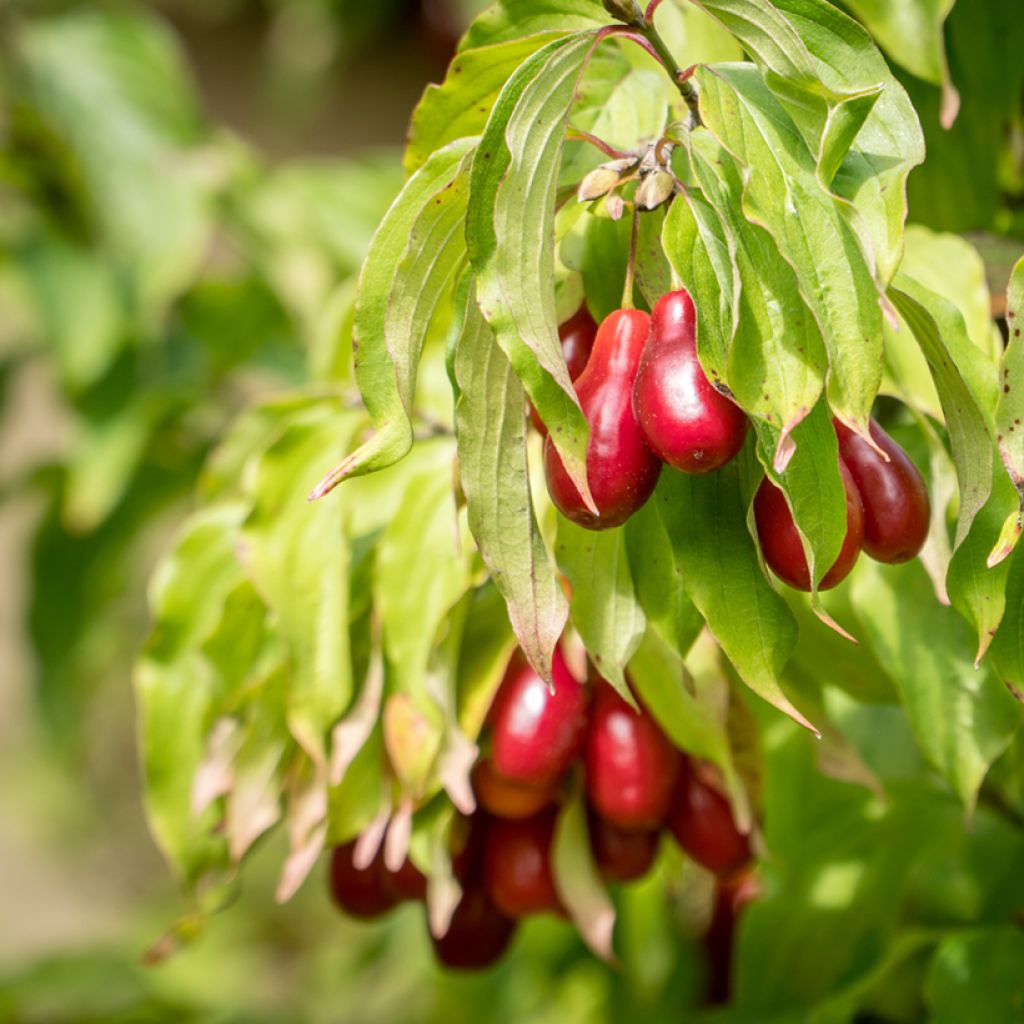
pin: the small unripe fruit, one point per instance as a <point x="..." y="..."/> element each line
<point x="577" y="336"/>
<point x="621" y="855"/>
<point x="505" y="798"/>
<point x="780" y="540"/>
<point x="686" y="422"/>
<point x="895" y="497"/>
<point x="536" y="732"/>
<point x="622" y="471"/>
<point x="631" y="764"/>
<point x="477" y="936"/>
<point x="701" y="820"/>
<point x="517" y="866"/>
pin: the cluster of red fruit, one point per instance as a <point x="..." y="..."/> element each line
<point x="539" y="742"/>
<point x="649" y="403"/>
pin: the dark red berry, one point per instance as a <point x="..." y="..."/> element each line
<point x="507" y="799"/>
<point x="359" y="892"/>
<point x="687" y="423"/>
<point x="477" y="936"/>
<point x="621" y="855"/>
<point x="780" y="540"/>
<point x="730" y="900"/>
<point x="895" y="497"/>
<point x="517" y="866"/>
<point x="621" y="469"/>
<point x="577" y="337"/>
<point x="701" y="820"/>
<point x="537" y="732"/>
<point x="631" y="764"/>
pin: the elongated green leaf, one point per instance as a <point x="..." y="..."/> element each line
<point x="1007" y="650"/>
<point x="754" y="331"/>
<point x="298" y="557"/>
<point x="460" y="106"/>
<point x="604" y="605"/>
<point x="1010" y="407"/>
<point x="510" y="235"/>
<point x="976" y="975"/>
<point x="491" y="436"/>
<point x="966" y="388"/>
<point x="411" y="262"/>
<point x="782" y="193"/>
<point x="705" y="517"/>
<point x="658" y="581"/>
<point x="511" y="19"/>
<point x="963" y="718"/>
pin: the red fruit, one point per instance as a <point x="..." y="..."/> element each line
<point x="894" y="495"/>
<point x="631" y="765"/>
<point x="467" y="846"/>
<point x="477" y="936"/>
<point x="407" y="884"/>
<point x="780" y="541"/>
<point x="359" y="892"/>
<point x="507" y="799"/>
<point x="687" y="423"/>
<point x="701" y="820"/>
<point x="621" y="469"/>
<point x="730" y="900"/>
<point x="536" y="732"/>
<point x="517" y="866"/>
<point x="621" y="855"/>
<point x="577" y="336"/>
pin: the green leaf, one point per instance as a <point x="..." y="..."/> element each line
<point x="962" y="718"/>
<point x="658" y="580"/>
<point x="510" y="235"/>
<point x="604" y="606"/>
<point x="411" y="263"/>
<point x="460" y="106"/>
<point x="298" y="557"/>
<point x="977" y="976"/>
<point x="1007" y="650"/>
<point x="1010" y="406"/>
<point x="966" y="387"/>
<point x="511" y="19"/>
<point x="783" y="194"/>
<point x="491" y="437"/>
<point x="705" y="517"/>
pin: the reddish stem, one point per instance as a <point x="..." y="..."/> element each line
<point x="582" y="136"/>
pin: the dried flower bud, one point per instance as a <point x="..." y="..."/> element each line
<point x="615" y="207"/>
<point x="603" y="179"/>
<point x="654" y="190"/>
<point x="627" y="11"/>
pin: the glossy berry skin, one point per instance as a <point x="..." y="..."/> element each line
<point x="895" y="497"/>
<point x="687" y="423"/>
<point x="780" y="540"/>
<point x="631" y="765"/>
<point x="359" y="892"/>
<point x="621" y="469"/>
<point x="477" y="936"/>
<point x="517" y="866"/>
<point x="536" y="733"/>
<point x="701" y="821"/>
<point x="505" y="798"/>
<point x="577" y="336"/>
<point x="621" y="855"/>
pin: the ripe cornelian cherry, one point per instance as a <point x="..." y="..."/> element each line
<point x="577" y="337"/>
<point x="517" y="866"/>
<point x="477" y="935"/>
<point x="731" y="898"/>
<point x="621" y="469"/>
<point x="894" y="495"/>
<point x="780" y="540"/>
<point x="631" y="764"/>
<point x="506" y="798"/>
<point x="701" y="820"/>
<point x="687" y="423"/>
<point x="537" y="731"/>
<point x="621" y="855"/>
<point x="359" y="892"/>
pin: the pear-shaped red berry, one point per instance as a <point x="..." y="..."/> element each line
<point x="517" y="866"/>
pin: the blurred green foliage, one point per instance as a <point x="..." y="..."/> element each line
<point x="163" y="275"/>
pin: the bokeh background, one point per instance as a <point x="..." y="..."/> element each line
<point x="186" y="190"/>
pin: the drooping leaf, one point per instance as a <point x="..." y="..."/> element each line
<point x="491" y="435"/>
<point x="509" y="19"/>
<point x="510" y="234"/>
<point x="1010" y="407"/>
